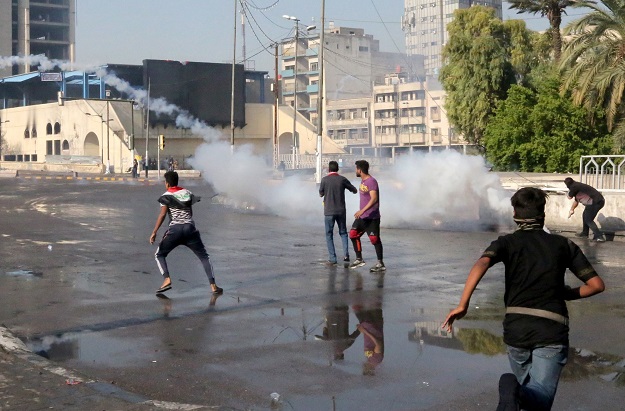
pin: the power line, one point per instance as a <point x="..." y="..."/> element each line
<point x="254" y="6"/>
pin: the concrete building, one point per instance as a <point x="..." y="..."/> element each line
<point x="401" y="117"/>
<point x="425" y="27"/>
<point x="353" y="62"/>
<point x="32" y="27"/>
<point x="348" y="123"/>
<point x="95" y="127"/>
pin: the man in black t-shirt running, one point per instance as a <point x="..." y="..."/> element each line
<point x="535" y="327"/>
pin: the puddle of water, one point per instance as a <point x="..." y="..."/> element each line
<point x="94" y="348"/>
<point x="28" y="274"/>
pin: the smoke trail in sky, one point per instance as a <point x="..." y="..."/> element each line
<point x="434" y="190"/>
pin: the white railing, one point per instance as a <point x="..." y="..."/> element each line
<point x="605" y="173"/>
<point x="310" y="160"/>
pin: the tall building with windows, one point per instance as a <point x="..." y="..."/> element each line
<point x="353" y="62"/>
<point x="32" y="27"/>
<point x="425" y="27"/>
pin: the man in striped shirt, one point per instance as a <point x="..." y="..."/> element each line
<point x="177" y="202"/>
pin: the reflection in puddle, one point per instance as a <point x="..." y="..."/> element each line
<point x="92" y="347"/>
<point x="581" y="364"/>
<point x="28" y="274"/>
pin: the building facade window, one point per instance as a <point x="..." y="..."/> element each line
<point x="48" y="129"/>
<point x="57" y="128"/>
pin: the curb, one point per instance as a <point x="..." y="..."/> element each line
<point x="14" y="346"/>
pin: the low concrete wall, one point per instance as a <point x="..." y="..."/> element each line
<point x="611" y="218"/>
<point x="8" y="173"/>
<point x="52" y="168"/>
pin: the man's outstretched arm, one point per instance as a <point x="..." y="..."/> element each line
<point x="159" y="222"/>
<point x="475" y="275"/>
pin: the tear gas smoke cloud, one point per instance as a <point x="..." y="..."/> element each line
<point x="434" y="190"/>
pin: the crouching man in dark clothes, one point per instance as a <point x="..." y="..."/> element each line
<point x="592" y="200"/>
<point x="177" y="202"/>
<point x="535" y="327"/>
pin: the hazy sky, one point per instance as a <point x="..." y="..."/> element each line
<point x="128" y="31"/>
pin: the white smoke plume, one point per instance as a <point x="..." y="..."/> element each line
<point x="435" y="190"/>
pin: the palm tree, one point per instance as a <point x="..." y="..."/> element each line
<point x="553" y="9"/>
<point x="593" y="62"/>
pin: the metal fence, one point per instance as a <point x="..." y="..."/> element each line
<point x="605" y="173"/>
<point x="344" y="160"/>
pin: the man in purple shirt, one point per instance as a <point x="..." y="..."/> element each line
<point x="367" y="219"/>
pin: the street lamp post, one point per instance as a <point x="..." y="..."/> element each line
<point x="296" y="24"/>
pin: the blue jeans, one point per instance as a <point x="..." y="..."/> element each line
<point x="588" y="218"/>
<point x="538" y="371"/>
<point x="340" y="221"/>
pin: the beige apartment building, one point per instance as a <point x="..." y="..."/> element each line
<point x="353" y="62"/>
<point x="400" y="117"/>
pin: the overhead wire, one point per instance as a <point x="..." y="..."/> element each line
<point x="271" y="6"/>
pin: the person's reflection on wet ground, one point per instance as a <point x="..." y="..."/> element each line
<point x="368" y="311"/>
<point x="367" y="307"/>
<point x="371" y="326"/>
<point x="166" y="303"/>
<point x="336" y="315"/>
<point x="195" y="325"/>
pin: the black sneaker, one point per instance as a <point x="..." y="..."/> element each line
<point x="582" y="235"/>
<point x="508" y="393"/>
<point x="359" y="262"/>
<point x="599" y="239"/>
<point x="346" y="262"/>
<point x="378" y="268"/>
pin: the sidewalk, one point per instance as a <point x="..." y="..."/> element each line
<point x="30" y="382"/>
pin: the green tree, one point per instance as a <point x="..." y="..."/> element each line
<point x="553" y="9"/>
<point x="477" y="72"/>
<point x="538" y="129"/>
<point x="593" y="63"/>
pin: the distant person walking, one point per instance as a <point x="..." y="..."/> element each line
<point x="536" y="325"/>
<point x="135" y="167"/>
<point x="332" y="189"/>
<point x="177" y="202"/>
<point x="367" y="219"/>
<point x="592" y="200"/>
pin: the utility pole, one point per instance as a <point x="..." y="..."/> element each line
<point x="276" y="91"/>
<point x="147" y="134"/>
<point x="234" y="61"/>
<point x="320" y="109"/>
<point x="108" y="146"/>
<point x="296" y="21"/>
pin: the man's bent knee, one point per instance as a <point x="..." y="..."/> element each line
<point x="375" y="239"/>
<point x="354" y="234"/>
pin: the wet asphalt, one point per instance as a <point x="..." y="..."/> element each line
<point x="78" y="280"/>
